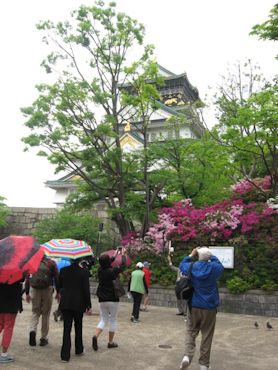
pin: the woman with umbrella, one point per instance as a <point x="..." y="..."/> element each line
<point x="10" y="305"/>
<point x="19" y="255"/>
<point x="108" y="302"/>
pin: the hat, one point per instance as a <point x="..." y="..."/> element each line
<point x="146" y="264"/>
<point x="139" y="265"/>
<point x="204" y="254"/>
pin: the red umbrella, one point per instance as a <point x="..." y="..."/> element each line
<point x="118" y="258"/>
<point x="19" y="255"/>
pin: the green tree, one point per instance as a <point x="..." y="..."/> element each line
<point x="67" y="225"/>
<point x="4" y="212"/>
<point x="247" y="113"/>
<point x="268" y="30"/>
<point x="143" y="100"/>
<point x="195" y="169"/>
<point x="77" y="120"/>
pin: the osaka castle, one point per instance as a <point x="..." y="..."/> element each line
<point x="177" y="99"/>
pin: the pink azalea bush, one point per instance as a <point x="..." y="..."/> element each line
<point x="247" y="221"/>
<point x="252" y="189"/>
<point x="219" y="222"/>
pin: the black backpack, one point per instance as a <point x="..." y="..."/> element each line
<point x="42" y="278"/>
<point x="184" y="289"/>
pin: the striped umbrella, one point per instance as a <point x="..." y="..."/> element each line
<point x="67" y="248"/>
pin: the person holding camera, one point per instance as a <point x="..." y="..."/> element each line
<point x="108" y="302"/>
<point x="202" y="315"/>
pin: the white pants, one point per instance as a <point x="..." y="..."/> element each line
<point x="108" y="315"/>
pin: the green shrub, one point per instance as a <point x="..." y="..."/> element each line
<point x="237" y="285"/>
<point x="4" y="212"/>
<point x="269" y="285"/>
<point x="67" y="225"/>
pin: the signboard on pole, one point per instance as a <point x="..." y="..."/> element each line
<point x="225" y="255"/>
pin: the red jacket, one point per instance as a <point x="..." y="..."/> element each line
<point x="147" y="273"/>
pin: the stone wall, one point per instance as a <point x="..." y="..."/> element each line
<point x="23" y="220"/>
<point x="253" y="302"/>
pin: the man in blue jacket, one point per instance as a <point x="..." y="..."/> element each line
<point x="202" y="316"/>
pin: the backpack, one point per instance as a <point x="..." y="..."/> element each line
<point x="42" y="278"/>
<point x="184" y="289"/>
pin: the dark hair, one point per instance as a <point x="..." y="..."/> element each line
<point x="104" y="261"/>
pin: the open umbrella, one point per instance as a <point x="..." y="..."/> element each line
<point x="19" y="255"/>
<point x="118" y="258"/>
<point x="67" y="248"/>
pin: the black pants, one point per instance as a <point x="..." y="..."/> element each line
<point x="137" y="298"/>
<point x="69" y="317"/>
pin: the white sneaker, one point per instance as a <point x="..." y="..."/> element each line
<point x="185" y="363"/>
<point x="203" y="367"/>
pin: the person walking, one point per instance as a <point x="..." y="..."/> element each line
<point x="57" y="314"/>
<point x="181" y="303"/>
<point x="202" y="314"/>
<point x="10" y="305"/>
<point x="137" y="286"/>
<point x="146" y="297"/>
<point x="75" y="300"/>
<point x="108" y="302"/>
<point x="39" y="290"/>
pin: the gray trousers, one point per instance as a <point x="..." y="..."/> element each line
<point x="41" y="306"/>
<point x="200" y="320"/>
<point x="182" y="306"/>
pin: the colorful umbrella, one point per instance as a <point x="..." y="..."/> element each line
<point x="19" y="255"/>
<point x="118" y="258"/>
<point x="67" y="248"/>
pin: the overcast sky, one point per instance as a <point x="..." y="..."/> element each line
<point x="198" y="37"/>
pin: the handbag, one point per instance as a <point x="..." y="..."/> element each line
<point x="118" y="288"/>
<point x="184" y="289"/>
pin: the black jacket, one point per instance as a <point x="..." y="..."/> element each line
<point x="75" y="288"/>
<point x="10" y="298"/>
<point x="105" y="289"/>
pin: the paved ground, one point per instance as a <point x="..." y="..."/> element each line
<point x="237" y="344"/>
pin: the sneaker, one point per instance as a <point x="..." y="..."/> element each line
<point x="32" y="339"/>
<point x="43" y="342"/>
<point x="94" y="343"/>
<point x="80" y="354"/>
<point x="7" y="358"/>
<point x="135" y="321"/>
<point x="64" y="360"/>
<point x="131" y="318"/>
<point x="179" y="313"/>
<point x="184" y="363"/>
<point x="112" y="345"/>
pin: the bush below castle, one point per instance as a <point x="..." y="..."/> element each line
<point x="248" y="221"/>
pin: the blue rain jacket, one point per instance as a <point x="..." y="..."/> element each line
<point x="204" y="278"/>
<point x="63" y="263"/>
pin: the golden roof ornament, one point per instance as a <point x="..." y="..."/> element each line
<point x="127" y="127"/>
